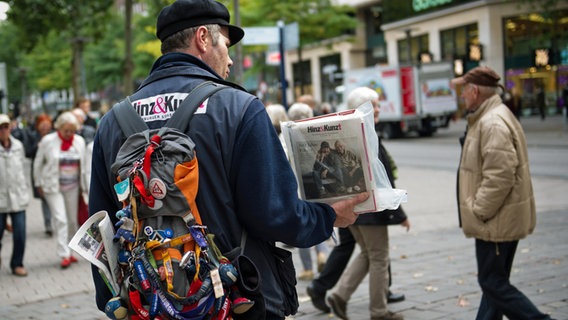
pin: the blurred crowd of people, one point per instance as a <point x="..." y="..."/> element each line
<point x="58" y="150"/>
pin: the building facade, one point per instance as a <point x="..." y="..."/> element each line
<point x="522" y="40"/>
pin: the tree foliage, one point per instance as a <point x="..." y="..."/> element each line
<point x="39" y="35"/>
<point x="75" y="18"/>
<point x="76" y="21"/>
<point x="318" y="19"/>
<point x="52" y="55"/>
<point x="11" y="55"/>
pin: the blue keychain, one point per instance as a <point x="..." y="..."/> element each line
<point x="198" y="236"/>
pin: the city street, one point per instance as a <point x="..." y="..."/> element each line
<point x="433" y="264"/>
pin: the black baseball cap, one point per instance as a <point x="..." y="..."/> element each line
<point x="184" y="14"/>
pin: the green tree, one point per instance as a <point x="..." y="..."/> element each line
<point x="76" y="21"/>
<point x="318" y="20"/>
<point x="106" y="60"/>
<point x="11" y="55"/>
<point x="47" y="63"/>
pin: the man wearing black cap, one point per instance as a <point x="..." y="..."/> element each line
<point x="245" y="180"/>
<point x="495" y="196"/>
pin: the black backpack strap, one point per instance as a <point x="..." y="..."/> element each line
<point x="129" y="121"/>
<point x="181" y="118"/>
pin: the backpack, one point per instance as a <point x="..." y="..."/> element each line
<point x="171" y="268"/>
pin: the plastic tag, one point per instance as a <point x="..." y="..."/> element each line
<point x="122" y="189"/>
<point x="217" y="284"/>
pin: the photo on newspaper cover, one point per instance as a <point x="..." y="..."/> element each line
<point x="329" y="157"/>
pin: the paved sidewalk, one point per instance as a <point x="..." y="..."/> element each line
<point x="433" y="264"/>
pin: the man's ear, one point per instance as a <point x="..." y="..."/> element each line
<point x="201" y="39"/>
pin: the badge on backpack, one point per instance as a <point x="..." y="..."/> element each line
<point x="122" y="189"/>
<point x="157" y="188"/>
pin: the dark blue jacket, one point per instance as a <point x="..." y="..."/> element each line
<point x="245" y="180"/>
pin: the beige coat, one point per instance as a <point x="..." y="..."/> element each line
<point x="495" y="194"/>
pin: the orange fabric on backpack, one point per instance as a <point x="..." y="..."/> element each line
<point x="186" y="178"/>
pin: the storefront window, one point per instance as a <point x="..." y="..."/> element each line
<point x="418" y="44"/>
<point x="528" y="75"/>
<point x="302" y="78"/>
<point x="526" y="33"/>
<point x="456" y="41"/>
<point x="377" y="52"/>
<point x="330" y="69"/>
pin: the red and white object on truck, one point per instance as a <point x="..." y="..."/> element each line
<point x="412" y="98"/>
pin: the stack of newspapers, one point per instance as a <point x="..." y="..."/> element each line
<point x="335" y="156"/>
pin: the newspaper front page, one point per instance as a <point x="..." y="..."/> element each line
<point x="329" y="157"/>
<point x="94" y="242"/>
<point x="335" y="156"/>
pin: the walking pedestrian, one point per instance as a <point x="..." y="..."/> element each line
<point x="565" y="104"/>
<point x="370" y="231"/>
<point x="245" y="180"/>
<point x="495" y="195"/>
<point x="57" y="174"/>
<point x="43" y="125"/>
<point x="541" y="101"/>
<point x="84" y="104"/>
<point x="14" y="194"/>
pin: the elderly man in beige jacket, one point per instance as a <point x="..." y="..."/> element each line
<point x="495" y="194"/>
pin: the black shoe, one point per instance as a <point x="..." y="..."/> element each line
<point x="338" y="306"/>
<point x="318" y="300"/>
<point x="395" y="297"/>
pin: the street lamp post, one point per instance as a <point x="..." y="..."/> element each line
<point x="238" y="67"/>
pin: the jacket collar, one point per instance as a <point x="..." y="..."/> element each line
<point x="485" y="107"/>
<point x="180" y="59"/>
<point x="183" y="64"/>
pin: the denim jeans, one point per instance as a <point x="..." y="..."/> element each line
<point x="306" y="255"/>
<point x="500" y="297"/>
<point x="18" y="220"/>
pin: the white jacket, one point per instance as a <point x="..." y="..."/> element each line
<point x="46" y="162"/>
<point x="14" y="192"/>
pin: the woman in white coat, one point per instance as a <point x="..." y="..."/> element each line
<point x="14" y="194"/>
<point x="58" y="168"/>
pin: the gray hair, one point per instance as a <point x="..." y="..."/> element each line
<point x="486" y="91"/>
<point x="359" y="96"/>
<point x="178" y="41"/>
<point x="66" y="118"/>
<point x="277" y="114"/>
<point x="299" y="111"/>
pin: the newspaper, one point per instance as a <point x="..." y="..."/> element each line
<point x="336" y="155"/>
<point x="94" y="242"/>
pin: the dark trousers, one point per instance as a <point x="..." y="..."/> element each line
<point x="336" y="262"/>
<point x="18" y="235"/>
<point x="494" y="263"/>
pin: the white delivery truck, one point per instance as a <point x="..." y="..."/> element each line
<point x="412" y="98"/>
